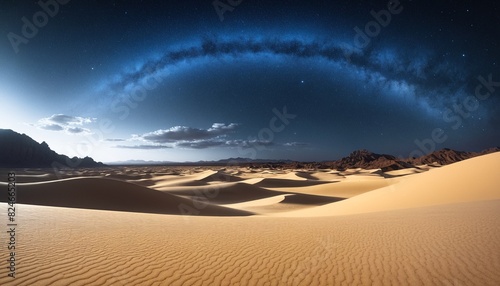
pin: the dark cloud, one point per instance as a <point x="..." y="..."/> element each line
<point x="143" y="147"/>
<point x="250" y="143"/>
<point x="76" y="130"/>
<point x="61" y="122"/>
<point x="52" y="127"/>
<point x="194" y="138"/>
<point x="211" y="143"/>
<point x="203" y="144"/>
<point x="69" y="120"/>
<point x="183" y="133"/>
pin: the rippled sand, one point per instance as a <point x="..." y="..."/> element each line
<point x="437" y="227"/>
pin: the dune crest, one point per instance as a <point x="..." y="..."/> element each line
<point x="466" y="181"/>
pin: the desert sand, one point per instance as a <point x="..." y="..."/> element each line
<point x="125" y="226"/>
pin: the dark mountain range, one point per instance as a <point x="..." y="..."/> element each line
<point x="367" y="160"/>
<point x="358" y="159"/>
<point x="443" y="157"/>
<point x="490" y="150"/>
<point x="20" y="151"/>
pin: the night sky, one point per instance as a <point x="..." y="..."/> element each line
<point x="204" y="80"/>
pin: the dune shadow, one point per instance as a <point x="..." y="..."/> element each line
<point x="280" y="183"/>
<point x="313" y="200"/>
<point x="114" y="195"/>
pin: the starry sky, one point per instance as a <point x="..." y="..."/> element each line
<point x="207" y="80"/>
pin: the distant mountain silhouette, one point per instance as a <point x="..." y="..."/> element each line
<point x="490" y="150"/>
<point x="368" y="160"/>
<point x="443" y="157"/>
<point x="358" y="159"/>
<point x="20" y="151"/>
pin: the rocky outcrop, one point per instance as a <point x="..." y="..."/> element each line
<point x="368" y="160"/>
<point x="21" y="151"/>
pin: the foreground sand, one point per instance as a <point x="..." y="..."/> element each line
<point x="451" y="245"/>
<point x="359" y="227"/>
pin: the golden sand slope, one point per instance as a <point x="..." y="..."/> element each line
<point x="471" y="180"/>
<point x="445" y="245"/>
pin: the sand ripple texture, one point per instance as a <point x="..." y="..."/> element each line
<point x="443" y="245"/>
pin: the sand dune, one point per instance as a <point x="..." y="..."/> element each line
<point x="108" y="194"/>
<point x="326" y="176"/>
<point x="198" y="179"/>
<point x="470" y="180"/>
<point x="342" y="189"/>
<point x="252" y="181"/>
<point x="203" y="178"/>
<point x="404" y="172"/>
<point x="272" y="205"/>
<point x="297" y="176"/>
<point x="221" y="176"/>
<point x="269" y="201"/>
<point x="233" y="193"/>
<point x="30" y="176"/>
<point x="224" y="193"/>
<point x="289" y="183"/>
